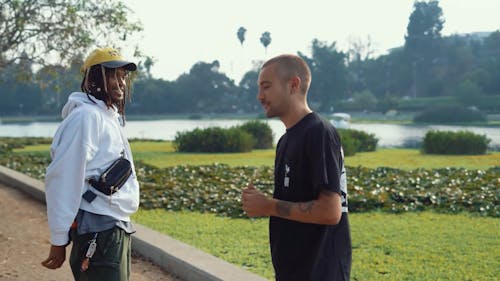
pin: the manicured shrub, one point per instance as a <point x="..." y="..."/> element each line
<point x="349" y="145"/>
<point x="449" y="114"/>
<point x="361" y="141"/>
<point x="214" y="139"/>
<point x="367" y="142"/>
<point x="237" y="140"/>
<point x="461" y="142"/>
<point x="261" y="132"/>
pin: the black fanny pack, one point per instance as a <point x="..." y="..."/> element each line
<point x="113" y="178"/>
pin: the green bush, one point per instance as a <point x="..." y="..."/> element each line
<point x="364" y="100"/>
<point x="449" y="114"/>
<point x="214" y="139"/>
<point x="422" y="103"/>
<point x="357" y="141"/>
<point x="461" y="142"/>
<point x="349" y="145"/>
<point x="261" y="132"/>
<point x="490" y="103"/>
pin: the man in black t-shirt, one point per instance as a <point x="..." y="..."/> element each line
<point x="308" y="226"/>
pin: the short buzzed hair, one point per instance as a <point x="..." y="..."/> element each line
<point x="290" y="66"/>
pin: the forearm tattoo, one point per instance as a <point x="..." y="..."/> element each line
<point x="306" y="207"/>
<point x="283" y="208"/>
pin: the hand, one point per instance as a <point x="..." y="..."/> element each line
<point x="255" y="203"/>
<point x="56" y="258"/>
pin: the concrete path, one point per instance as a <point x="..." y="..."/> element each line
<point x="21" y="193"/>
<point x="24" y="243"/>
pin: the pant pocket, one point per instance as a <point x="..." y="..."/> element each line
<point x="109" y="247"/>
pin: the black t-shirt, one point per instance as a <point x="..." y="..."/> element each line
<point x="309" y="159"/>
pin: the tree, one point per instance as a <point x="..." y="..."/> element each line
<point x="424" y="28"/>
<point x="329" y="76"/>
<point x="205" y="90"/>
<point x="468" y="92"/>
<point x="146" y="65"/>
<point x="492" y="43"/>
<point x="359" y="49"/>
<point x="492" y="64"/>
<point x="359" y="52"/>
<point x="56" y="82"/>
<point x="363" y="100"/>
<point x="155" y="96"/>
<point x="423" y="44"/>
<point x="247" y="92"/>
<point x="265" y="39"/>
<point x="61" y="28"/>
<point x="241" y="34"/>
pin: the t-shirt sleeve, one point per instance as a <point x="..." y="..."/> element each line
<point x="325" y="159"/>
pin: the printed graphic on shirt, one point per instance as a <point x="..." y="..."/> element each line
<point x="343" y="185"/>
<point x="286" y="182"/>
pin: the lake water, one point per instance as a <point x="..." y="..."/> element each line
<point x="389" y="135"/>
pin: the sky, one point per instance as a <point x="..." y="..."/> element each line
<point x="179" y="33"/>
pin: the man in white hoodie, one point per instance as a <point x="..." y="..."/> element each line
<point x="88" y="141"/>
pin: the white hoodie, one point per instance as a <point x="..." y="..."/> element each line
<point x="87" y="141"/>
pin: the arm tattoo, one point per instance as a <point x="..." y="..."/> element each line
<point x="283" y="208"/>
<point x="306" y="207"/>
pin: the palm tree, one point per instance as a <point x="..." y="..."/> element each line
<point x="265" y="39"/>
<point x="241" y="34"/>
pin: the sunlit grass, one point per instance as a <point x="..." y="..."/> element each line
<point x="409" y="159"/>
<point x="162" y="154"/>
<point x="424" y="246"/>
<point x="409" y="246"/>
<point x="34" y="148"/>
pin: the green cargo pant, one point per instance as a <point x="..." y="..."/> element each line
<point x="111" y="260"/>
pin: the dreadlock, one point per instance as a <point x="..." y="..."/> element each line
<point x="95" y="84"/>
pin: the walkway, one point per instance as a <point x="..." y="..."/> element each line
<point x="24" y="243"/>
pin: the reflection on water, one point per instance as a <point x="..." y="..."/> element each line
<point x="389" y="135"/>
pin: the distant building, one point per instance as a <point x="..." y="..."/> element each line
<point x="479" y="35"/>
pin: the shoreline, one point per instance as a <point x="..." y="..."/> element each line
<point x="404" y="119"/>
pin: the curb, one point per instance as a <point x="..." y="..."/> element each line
<point x="175" y="257"/>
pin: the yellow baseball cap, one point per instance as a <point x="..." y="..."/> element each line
<point x="109" y="58"/>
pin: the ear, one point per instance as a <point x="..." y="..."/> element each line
<point x="295" y="83"/>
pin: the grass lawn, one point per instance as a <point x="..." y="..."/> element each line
<point x="413" y="246"/>
<point x="162" y="154"/>
<point x="410" y="246"/>
<point x="409" y="159"/>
